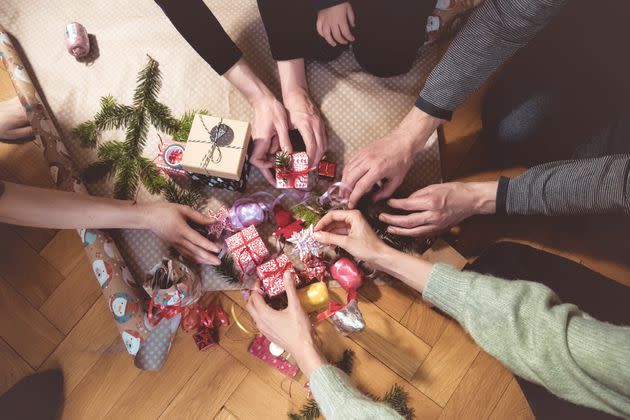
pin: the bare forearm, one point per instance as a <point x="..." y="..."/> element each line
<point x="411" y="270"/>
<point x="292" y="76"/>
<point x="241" y="76"/>
<point x="39" y="207"/>
<point x="416" y="128"/>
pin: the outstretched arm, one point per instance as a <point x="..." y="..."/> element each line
<point x="39" y="207"/>
<point x="521" y="323"/>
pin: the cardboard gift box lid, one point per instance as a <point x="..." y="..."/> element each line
<point x="226" y="160"/>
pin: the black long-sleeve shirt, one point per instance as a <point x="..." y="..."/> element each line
<point x="196" y="23"/>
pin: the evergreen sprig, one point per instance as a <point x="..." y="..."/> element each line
<point x="283" y="160"/>
<point x="307" y="215"/>
<point x="398" y="399"/>
<point x="227" y="270"/>
<point x="346" y="363"/>
<point x="124" y="159"/>
<point x="176" y="194"/>
<point x="185" y="124"/>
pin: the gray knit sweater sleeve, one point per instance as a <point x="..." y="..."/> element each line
<point x="526" y="327"/>
<point x="492" y="34"/>
<point x="574" y="187"/>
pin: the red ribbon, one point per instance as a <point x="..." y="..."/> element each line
<point x="244" y="248"/>
<point x="334" y="306"/>
<point x="166" y="311"/>
<point x="289" y="174"/>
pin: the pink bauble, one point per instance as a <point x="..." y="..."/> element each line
<point x="347" y="274"/>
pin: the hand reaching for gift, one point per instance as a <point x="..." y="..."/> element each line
<point x="305" y="117"/>
<point x="290" y="328"/>
<point x="270" y="133"/>
<point x="438" y="207"/>
<point x="170" y="222"/>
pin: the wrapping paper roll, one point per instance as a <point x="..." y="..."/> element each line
<point x="110" y="270"/>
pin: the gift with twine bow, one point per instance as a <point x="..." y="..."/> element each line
<point x="292" y="170"/>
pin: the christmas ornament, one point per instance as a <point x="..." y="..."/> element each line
<point x="314" y="297"/>
<point x="348" y="319"/>
<point x="305" y="244"/>
<point x="347" y="274"/>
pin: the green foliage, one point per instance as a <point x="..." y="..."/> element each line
<point x="307" y="215"/>
<point x="398" y="399"/>
<point x="283" y="160"/>
<point x="310" y="409"/>
<point x="227" y="270"/>
<point x="175" y="194"/>
<point x="185" y="124"/>
<point x="124" y="159"/>
<point x="87" y="134"/>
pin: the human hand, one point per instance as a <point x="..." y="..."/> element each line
<point x="13" y="122"/>
<point x="270" y="132"/>
<point x="440" y="206"/>
<point x="290" y="328"/>
<point x="385" y="162"/>
<point x="305" y="117"/>
<point x="170" y="222"/>
<point x="350" y="231"/>
<point x="333" y="24"/>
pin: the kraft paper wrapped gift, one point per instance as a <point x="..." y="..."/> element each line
<point x="216" y="147"/>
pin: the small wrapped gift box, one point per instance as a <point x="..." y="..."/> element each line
<point x="247" y="249"/>
<point x="271" y="274"/>
<point x="293" y="171"/>
<point x="216" y="147"/>
<point x="327" y="169"/>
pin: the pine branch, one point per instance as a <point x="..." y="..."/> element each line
<point x="126" y="180"/>
<point x="98" y="170"/>
<point x="283" y="160"/>
<point x="136" y="136"/>
<point x="175" y="194"/>
<point x="149" y="84"/>
<point x="309" y="411"/>
<point x="161" y="117"/>
<point x="112" y="116"/>
<point x="346" y="363"/>
<point x="150" y="175"/>
<point x="185" y="124"/>
<point x="227" y="270"/>
<point x="111" y="151"/>
<point x="87" y="133"/>
<point x="398" y="399"/>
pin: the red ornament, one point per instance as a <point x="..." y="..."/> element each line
<point x="347" y="274"/>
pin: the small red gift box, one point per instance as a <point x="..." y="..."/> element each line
<point x="327" y="169"/>
<point x="271" y="275"/>
<point x="247" y="249"/>
<point x="206" y="338"/>
<point x="297" y="176"/>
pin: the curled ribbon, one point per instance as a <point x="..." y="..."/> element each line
<point x="334" y="306"/>
<point x="332" y="197"/>
<point x="165" y="311"/>
<point x="253" y="209"/>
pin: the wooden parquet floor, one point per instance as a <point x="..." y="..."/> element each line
<point x="52" y="316"/>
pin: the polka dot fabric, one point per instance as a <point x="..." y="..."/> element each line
<point x="156" y="346"/>
<point x="358" y="108"/>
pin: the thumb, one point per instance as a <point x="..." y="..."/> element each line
<point x="289" y="286"/>
<point x="330" y="238"/>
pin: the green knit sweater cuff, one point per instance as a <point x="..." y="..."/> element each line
<point x="447" y="289"/>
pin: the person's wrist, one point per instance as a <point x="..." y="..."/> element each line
<point x="308" y="357"/>
<point x="416" y="128"/>
<point x="485" y="197"/>
<point x="383" y="257"/>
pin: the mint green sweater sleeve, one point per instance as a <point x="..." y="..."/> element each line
<point x="338" y="399"/>
<point x="526" y="327"/>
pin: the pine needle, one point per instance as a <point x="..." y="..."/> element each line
<point x="284" y="160"/>
<point x="346" y="363"/>
<point x="306" y="215"/>
<point x="87" y="133"/>
<point x="397" y="398"/>
<point x="185" y="124"/>
<point x="176" y="194"/>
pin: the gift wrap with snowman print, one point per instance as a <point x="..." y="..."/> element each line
<point x="216" y="147"/>
<point x="118" y="286"/>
